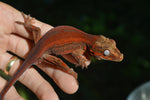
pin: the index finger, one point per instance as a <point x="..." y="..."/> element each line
<point x="8" y="26"/>
<point x="8" y="17"/>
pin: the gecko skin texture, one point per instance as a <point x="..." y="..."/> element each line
<point x="71" y="43"/>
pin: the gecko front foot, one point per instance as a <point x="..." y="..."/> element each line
<point x="83" y="62"/>
<point x="81" y="58"/>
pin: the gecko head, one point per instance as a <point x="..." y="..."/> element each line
<point x="105" y="48"/>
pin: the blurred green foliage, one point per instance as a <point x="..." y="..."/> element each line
<point x="125" y="21"/>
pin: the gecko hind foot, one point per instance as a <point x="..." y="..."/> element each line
<point x="28" y="20"/>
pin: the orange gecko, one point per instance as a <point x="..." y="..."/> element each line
<point x="64" y="40"/>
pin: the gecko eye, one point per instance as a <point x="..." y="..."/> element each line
<point x="106" y="52"/>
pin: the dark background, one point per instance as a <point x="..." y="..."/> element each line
<point x="126" y="21"/>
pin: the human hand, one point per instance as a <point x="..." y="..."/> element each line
<point x="14" y="38"/>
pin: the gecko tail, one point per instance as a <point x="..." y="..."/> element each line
<point x="13" y="79"/>
<point x="2" y="96"/>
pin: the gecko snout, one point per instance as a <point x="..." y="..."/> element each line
<point x="120" y="58"/>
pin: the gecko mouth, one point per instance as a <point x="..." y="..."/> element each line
<point x="99" y="58"/>
<point x="117" y="59"/>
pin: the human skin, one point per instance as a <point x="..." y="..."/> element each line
<point x="15" y="38"/>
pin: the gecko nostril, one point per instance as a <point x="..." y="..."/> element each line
<point x="121" y="57"/>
